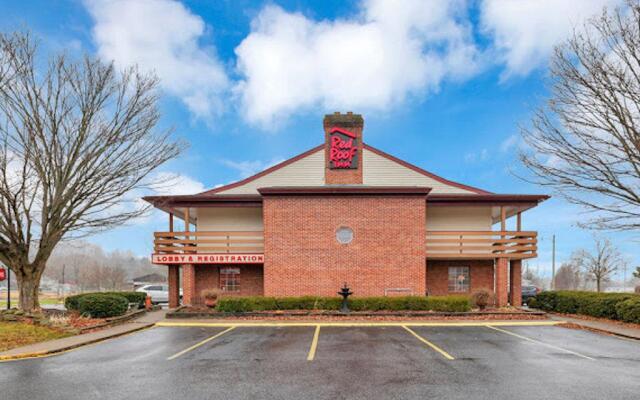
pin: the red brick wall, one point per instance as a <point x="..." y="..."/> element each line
<point x="208" y="277"/>
<point x="480" y="271"/>
<point x="303" y="257"/>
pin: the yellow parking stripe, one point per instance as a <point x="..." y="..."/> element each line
<point x="538" y="342"/>
<point x="428" y="343"/>
<point x="357" y="323"/>
<point x="195" y="346"/>
<point x="314" y="344"/>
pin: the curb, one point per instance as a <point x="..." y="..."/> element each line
<point x="600" y="330"/>
<point x="65" y="349"/>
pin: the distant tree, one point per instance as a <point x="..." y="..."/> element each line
<point x="532" y="276"/>
<point x="603" y="263"/>
<point x="636" y="273"/>
<point x="585" y="142"/>
<point x="570" y="275"/>
<point x="75" y="138"/>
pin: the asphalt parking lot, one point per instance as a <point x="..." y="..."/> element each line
<point x="336" y="362"/>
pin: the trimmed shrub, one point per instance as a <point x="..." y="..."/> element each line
<point x="72" y="302"/>
<point x="481" y="298"/>
<point x="132" y="297"/>
<point x="410" y="303"/>
<point x="629" y="310"/>
<point x="99" y="305"/>
<point x="599" y="305"/>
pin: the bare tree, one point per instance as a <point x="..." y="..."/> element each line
<point x="570" y="275"/>
<point x="603" y="263"/>
<point x="76" y="137"/>
<point x="585" y="142"/>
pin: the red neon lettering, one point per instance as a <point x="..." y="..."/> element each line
<point x="341" y="152"/>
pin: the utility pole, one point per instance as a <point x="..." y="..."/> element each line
<point x="63" y="266"/>
<point x="553" y="262"/>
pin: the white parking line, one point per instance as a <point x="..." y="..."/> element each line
<point x="314" y="344"/>
<point x="539" y="342"/>
<point x="195" y="346"/>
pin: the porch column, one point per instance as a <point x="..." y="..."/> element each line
<point x="501" y="271"/>
<point x="515" y="283"/>
<point x="174" y="286"/>
<point x="189" y="295"/>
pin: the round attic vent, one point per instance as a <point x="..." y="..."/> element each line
<point x="344" y="235"/>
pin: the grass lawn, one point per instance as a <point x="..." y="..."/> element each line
<point x="16" y="334"/>
<point x="14" y="301"/>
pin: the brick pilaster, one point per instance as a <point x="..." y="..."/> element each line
<point x="501" y="276"/>
<point x="189" y="295"/>
<point x="174" y="286"/>
<point x="515" y="283"/>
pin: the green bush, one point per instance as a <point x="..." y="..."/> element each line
<point x="600" y="305"/>
<point x="629" y="310"/>
<point x="71" y="302"/>
<point x="410" y="303"/>
<point x="99" y="305"/>
<point x="132" y="297"/>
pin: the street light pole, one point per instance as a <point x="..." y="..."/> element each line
<point x="8" y="288"/>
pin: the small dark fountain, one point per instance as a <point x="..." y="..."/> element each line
<point x="345" y="292"/>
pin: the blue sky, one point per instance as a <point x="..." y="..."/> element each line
<point x="443" y="85"/>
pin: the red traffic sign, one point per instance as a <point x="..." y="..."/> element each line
<point x="3" y="274"/>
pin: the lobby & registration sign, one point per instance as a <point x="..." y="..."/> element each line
<point x="207" y="258"/>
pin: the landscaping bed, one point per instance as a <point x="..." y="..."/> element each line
<point x="497" y="314"/>
<point x="376" y="308"/>
<point x="85" y="313"/>
<point x="17" y="334"/>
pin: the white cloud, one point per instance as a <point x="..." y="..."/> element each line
<point x="163" y="36"/>
<point x="248" y="168"/>
<point x="479" y="156"/>
<point x="171" y="184"/>
<point x="373" y="61"/>
<point x="524" y="32"/>
<point x="509" y="143"/>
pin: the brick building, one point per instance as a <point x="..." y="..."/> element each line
<point x="344" y="212"/>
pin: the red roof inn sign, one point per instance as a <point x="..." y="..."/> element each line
<point x="207" y="258"/>
<point x="343" y="149"/>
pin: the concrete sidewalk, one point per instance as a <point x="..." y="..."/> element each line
<point x="603" y="326"/>
<point x="64" y="344"/>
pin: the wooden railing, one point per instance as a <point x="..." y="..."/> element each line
<point x="481" y="244"/>
<point x="208" y="242"/>
<point x="439" y="244"/>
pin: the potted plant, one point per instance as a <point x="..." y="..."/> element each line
<point x="210" y="297"/>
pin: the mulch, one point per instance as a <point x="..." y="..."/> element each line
<point x="317" y="315"/>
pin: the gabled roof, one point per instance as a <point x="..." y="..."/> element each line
<point x="464" y="194"/>
<point x="367" y="147"/>
<point x="263" y="173"/>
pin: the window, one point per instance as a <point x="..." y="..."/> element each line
<point x="230" y="279"/>
<point x="458" y="279"/>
